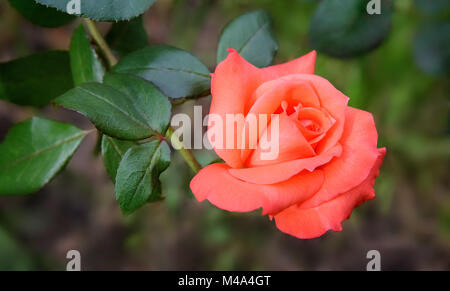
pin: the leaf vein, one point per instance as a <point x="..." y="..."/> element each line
<point x="32" y="155"/>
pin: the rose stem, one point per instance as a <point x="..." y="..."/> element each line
<point x="185" y="153"/>
<point x="112" y="60"/>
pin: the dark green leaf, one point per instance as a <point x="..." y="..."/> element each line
<point x="432" y="48"/>
<point x="36" y="79"/>
<point x="126" y="107"/>
<point x="33" y="152"/>
<point x="111" y="111"/>
<point x="113" y="151"/>
<point x="251" y="35"/>
<point x="39" y="14"/>
<point x="103" y="10"/>
<point x="86" y="66"/>
<point x="343" y="28"/>
<point x="154" y="107"/>
<point x="137" y="180"/>
<point x="175" y="72"/>
<point x="127" y="36"/>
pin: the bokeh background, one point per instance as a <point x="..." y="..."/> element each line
<point x="408" y="221"/>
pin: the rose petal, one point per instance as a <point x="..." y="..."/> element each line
<point x="269" y="97"/>
<point x="359" y="144"/>
<point x="332" y="100"/>
<point x="281" y="172"/>
<point x="314" y="222"/>
<point x="216" y="184"/>
<point x="290" y="145"/>
<point x="335" y="102"/>
<point x="310" y="115"/>
<point x="302" y="65"/>
<point x="233" y="84"/>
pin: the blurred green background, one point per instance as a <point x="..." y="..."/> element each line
<point x="408" y="222"/>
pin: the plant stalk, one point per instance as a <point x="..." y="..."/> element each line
<point x="185" y="153"/>
<point x="98" y="38"/>
<point x="112" y="60"/>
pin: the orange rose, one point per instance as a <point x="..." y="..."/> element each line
<point x="327" y="158"/>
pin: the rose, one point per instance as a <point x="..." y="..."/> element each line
<point x="328" y="158"/>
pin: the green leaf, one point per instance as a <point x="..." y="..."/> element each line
<point x="127" y="36"/>
<point x="33" y="152"/>
<point x="343" y="28"/>
<point x="85" y="63"/>
<point x="154" y="106"/>
<point x="36" y="79"/>
<point x="103" y="10"/>
<point x="252" y="37"/>
<point x="432" y="48"/>
<point x="175" y="72"/>
<point x="39" y="14"/>
<point x="111" y="111"/>
<point x="125" y="107"/>
<point x="137" y="180"/>
<point x="113" y="151"/>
